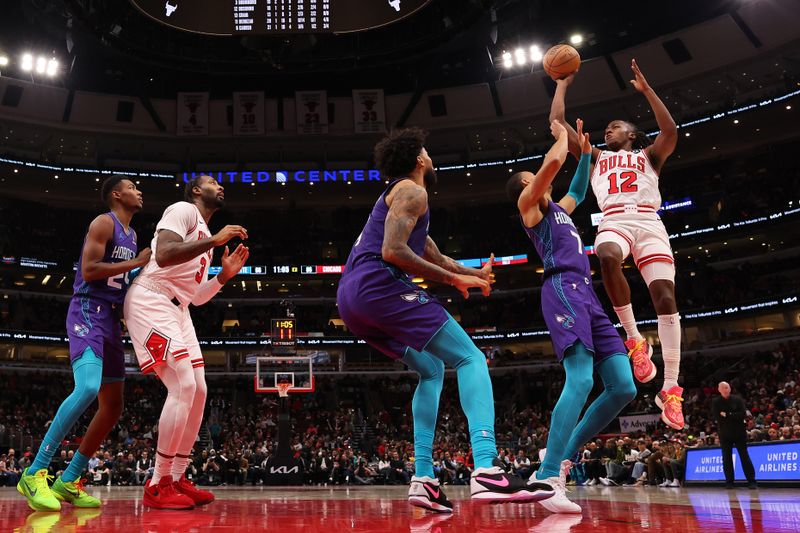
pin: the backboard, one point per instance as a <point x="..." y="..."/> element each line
<point x="274" y="370"/>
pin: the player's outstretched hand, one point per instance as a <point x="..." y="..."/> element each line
<point x="567" y="80"/>
<point x="143" y="258"/>
<point x="229" y="232"/>
<point x="486" y="270"/>
<point x="639" y="83"/>
<point x="557" y="129"/>
<point x="232" y="263"/>
<point x="463" y="283"/>
<point x="583" y="138"/>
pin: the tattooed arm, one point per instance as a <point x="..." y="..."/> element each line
<point x="436" y="257"/>
<point x="408" y="203"/>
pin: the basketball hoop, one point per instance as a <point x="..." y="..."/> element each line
<point x="283" y="389"/>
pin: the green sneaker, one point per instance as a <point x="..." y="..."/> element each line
<point x="35" y="488"/>
<point x="73" y="493"/>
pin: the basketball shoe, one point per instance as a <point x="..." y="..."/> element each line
<point x="35" y="488"/>
<point x="74" y="493"/>
<point x="198" y="496"/>
<point x="669" y="401"/>
<point x="640" y="353"/>
<point x="164" y="496"/>
<point x="425" y="492"/>
<point x="495" y="485"/>
<point x="559" y="503"/>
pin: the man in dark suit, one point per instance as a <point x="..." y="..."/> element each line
<point x="729" y="412"/>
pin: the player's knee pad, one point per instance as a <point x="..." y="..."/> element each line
<point x="658" y="270"/>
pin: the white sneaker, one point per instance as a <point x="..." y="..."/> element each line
<point x="425" y="492"/>
<point x="675" y="483"/>
<point x="558" y="503"/>
<point x="605" y="481"/>
<point x="665" y="484"/>
<point x="590" y="483"/>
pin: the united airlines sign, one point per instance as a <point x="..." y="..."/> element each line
<point x="290" y="176"/>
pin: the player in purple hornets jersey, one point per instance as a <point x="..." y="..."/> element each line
<point x="582" y="334"/>
<point x="95" y="339"/>
<point x="379" y="303"/>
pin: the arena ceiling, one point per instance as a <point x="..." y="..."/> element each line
<point x="109" y="46"/>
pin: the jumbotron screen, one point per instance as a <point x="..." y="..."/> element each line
<point x="236" y="17"/>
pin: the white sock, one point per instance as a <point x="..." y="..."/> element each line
<point x="669" y="331"/>
<point x="628" y="321"/>
<point x="179" y="467"/>
<point x="163" y="468"/>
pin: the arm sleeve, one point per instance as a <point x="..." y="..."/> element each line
<point x="206" y="291"/>
<point x="580" y="181"/>
<point x="180" y="218"/>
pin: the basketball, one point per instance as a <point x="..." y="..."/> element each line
<point x="561" y="61"/>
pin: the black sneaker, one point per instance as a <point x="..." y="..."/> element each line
<point x="425" y="492"/>
<point x="495" y="485"/>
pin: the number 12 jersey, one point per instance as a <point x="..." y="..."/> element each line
<point x="625" y="178"/>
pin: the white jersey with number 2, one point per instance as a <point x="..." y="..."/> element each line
<point x="625" y="178"/>
<point x="184" y="279"/>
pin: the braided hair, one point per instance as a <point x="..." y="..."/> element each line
<point x="641" y="141"/>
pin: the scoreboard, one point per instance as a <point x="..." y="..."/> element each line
<point x="237" y="17"/>
<point x="284" y="333"/>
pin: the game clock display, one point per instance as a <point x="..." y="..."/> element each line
<point x="235" y="17"/>
<point x="283" y="332"/>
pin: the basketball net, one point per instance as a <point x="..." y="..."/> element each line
<point x="283" y="389"/>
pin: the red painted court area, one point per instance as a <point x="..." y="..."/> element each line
<point x="384" y="509"/>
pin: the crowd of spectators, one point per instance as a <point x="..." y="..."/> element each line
<point x="358" y="430"/>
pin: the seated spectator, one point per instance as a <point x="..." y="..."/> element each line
<point x="522" y="465"/>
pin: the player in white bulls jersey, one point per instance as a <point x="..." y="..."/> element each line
<point x="625" y="181"/>
<point x="163" y="336"/>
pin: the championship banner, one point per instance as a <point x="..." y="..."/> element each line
<point x="248" y="113"/>
<point x="312" y="112"/>
<point x="369" y="111"/>
<point x="192" y="114"/>
<point x="629" y="424"/>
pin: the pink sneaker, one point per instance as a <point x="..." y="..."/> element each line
<point x="669" y="401"/>
<point x="640" y="353"/>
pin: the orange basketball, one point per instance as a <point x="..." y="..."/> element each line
<point x="561" y="61"/>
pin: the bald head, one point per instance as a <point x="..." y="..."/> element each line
<point x="724" y="389"/>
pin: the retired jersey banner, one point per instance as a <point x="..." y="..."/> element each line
<point x="369" y="110"/>
<point x="192" y="114"/>
<point x="248" y="113"/>
<point x="312" y="112"/>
